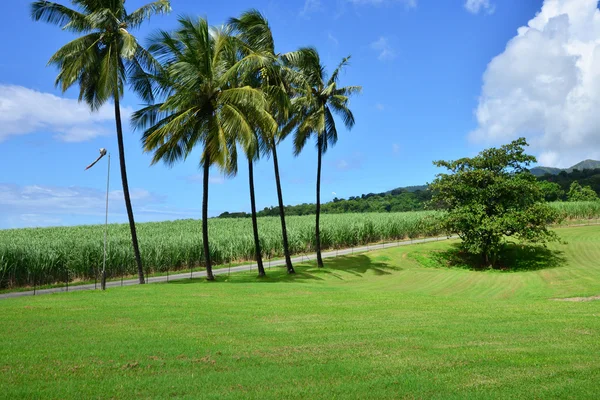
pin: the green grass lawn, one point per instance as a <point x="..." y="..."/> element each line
<point x="394" y="323"/>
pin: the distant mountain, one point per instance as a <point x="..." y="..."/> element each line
<point x="587" y="164"/>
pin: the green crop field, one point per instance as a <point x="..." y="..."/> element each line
<point x="395" y="323"/>
<point x="49" y="255"/>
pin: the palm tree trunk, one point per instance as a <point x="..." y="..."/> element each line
<point x="286" y="247"/>
<point x="134" y="240"/>
<point x="209" y="273"/>
<point x="259" y="263"/>
<point x="318" y="211"/>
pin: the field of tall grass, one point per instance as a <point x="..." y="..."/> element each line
<point x="49" y="255"/>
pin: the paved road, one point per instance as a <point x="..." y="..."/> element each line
<point x="224" y="271"/>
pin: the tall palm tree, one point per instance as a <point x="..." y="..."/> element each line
<point x="201" y="103"/>
<point x="252" y="150"/>
<point x="101" y="61"/>
<point x="315" y="103"/>
<point x="276" y="82"/>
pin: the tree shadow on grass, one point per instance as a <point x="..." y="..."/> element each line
<point x="360" y="264"/>
<point x="357" y="265"/>
<point x="513" y="258"/>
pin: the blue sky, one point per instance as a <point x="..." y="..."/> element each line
<point x="441" y="80"/>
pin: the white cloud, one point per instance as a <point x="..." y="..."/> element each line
<point x="333" y="39"/>
<point x="311" y="6"/>
<point x="342" y="164"/>
<point x="352" y="162"/>
<point x="408" y="3"/>
<point x="395" y="148"/>
<point x="546" y="85"/>
<point x="41" y="205"/>
<point x="383" y="47"/>
<point x="475" y="6"/>
<point x="379" y="106"/>
<point x="24" y="111"/>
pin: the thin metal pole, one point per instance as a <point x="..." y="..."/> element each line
<point x="103" y="284"/>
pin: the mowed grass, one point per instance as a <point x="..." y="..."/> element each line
<point x="394" y="323"/>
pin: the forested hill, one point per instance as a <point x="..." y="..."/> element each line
<point x="397" y="200"/>
<point x="586" y="177"/>
<point x="413" y="198"/>
<point x="580" y="166"/>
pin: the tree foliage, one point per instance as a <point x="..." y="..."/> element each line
<point x="491" y="197"/>
<point x="581" y="193"/>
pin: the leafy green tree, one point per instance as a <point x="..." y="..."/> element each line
<point x="101" y="61"/>
<point x="491" y="197"/>
<point x="317" y="100"/>
<point x="579" y="193"/>
<point x="551" y="190"/>
<point x="201" y="103"/>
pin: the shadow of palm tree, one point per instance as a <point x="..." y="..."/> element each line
<point x="356" y="265"/>
<point x="360" y="264"/>
<point x="513" y="258"/>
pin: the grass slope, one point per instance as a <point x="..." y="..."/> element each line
<point x="394" y="323"/>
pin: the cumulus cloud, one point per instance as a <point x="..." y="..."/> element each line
<point x="41" y="205"/>
<point x="546" y="85"/>
<point x="24" y="111"/>
<point x="384" y="49"/>
<point x="475" y="6"/>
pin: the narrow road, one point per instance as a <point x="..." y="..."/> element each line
<point x="224" y="271"/>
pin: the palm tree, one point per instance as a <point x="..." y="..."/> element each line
<point x="252" y="149"/>
<point x="276" y="81"/>
<point x="101" y="61"/>
<point x="314" y="104"/>
<point x="202" y="104"/>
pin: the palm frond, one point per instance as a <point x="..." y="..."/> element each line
<point x="254" y="30"/>
<point x="136" y="18"/>
<point x="333" y="79"/>
<point x="343" y="111"/>
<point x="330" y="133"/>
<point x="60" y="15"/>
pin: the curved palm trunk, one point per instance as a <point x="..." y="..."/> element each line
<point x="286" y="247"/>
<point x="134" y="240"/>
<point x="261" y="268"/>
<point x="209" y="273"/>
<point x="318" y="211"/>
